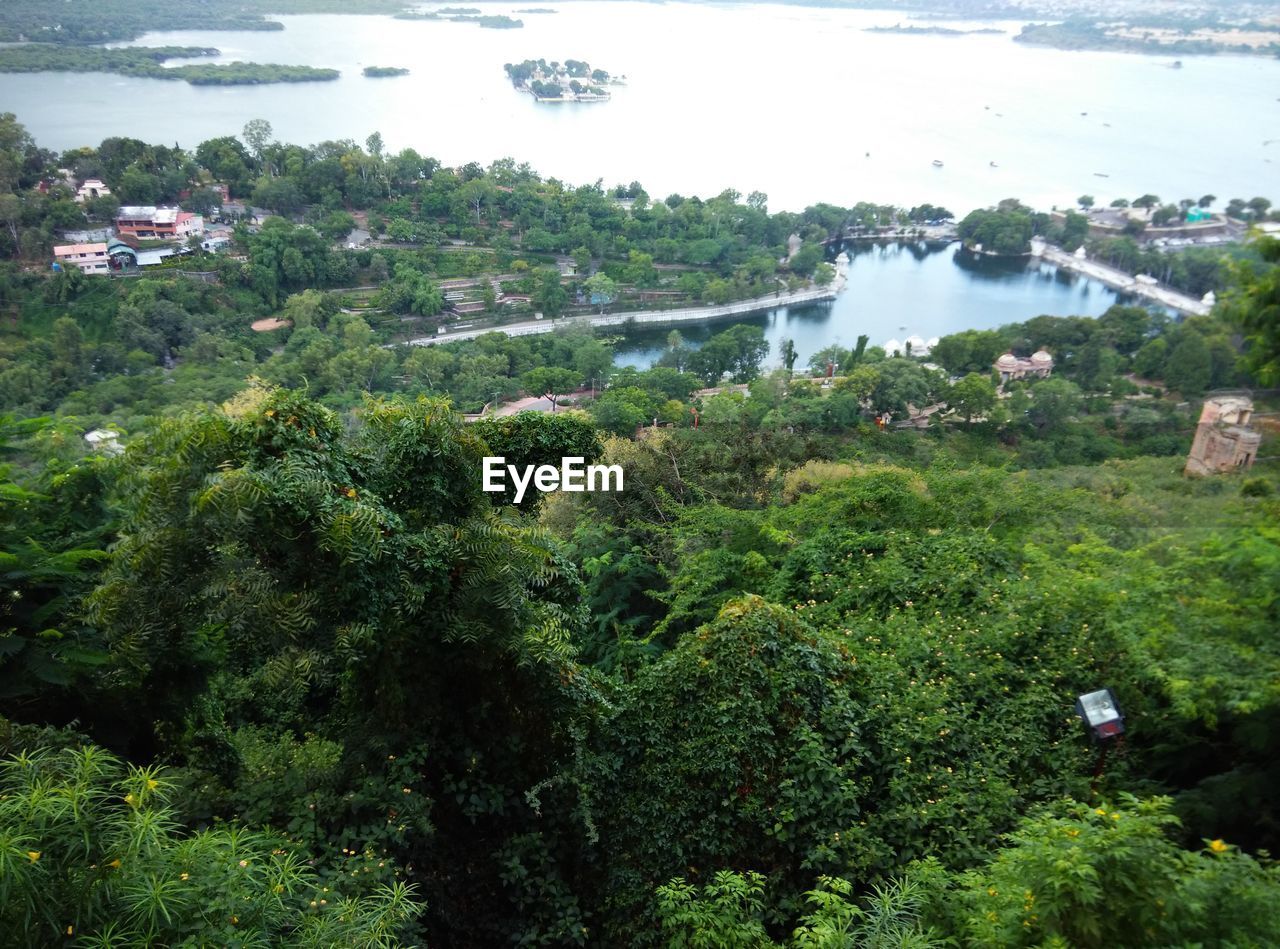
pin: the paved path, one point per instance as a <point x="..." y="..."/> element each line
<point x="657" y="317"/>
<point x="535" y="403"/>
<point x="1119" y="280"/>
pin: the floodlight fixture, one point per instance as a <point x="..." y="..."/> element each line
<point x="1101" y="714"/>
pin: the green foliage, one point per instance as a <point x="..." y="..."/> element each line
<point x="271" y="501"/>
<point x="1110" y="875"/>
<point x="1188" y="368"/>
<point x="737" y="352"/>
<point x="729" y="909"/>
<point x="277" y="573"/>
<point x="48" y="557"/>
<point x="891" y="918"/>
<point x="797" y="642"/>
<point x="968" y="351"/>
<point x="971" y="396"/>
<point x="726" y="914"/>
<point x="737" y="746"/>
<point x="1006" y="229"/>
<point x="532" y="438"/>
<point x="900" y="383"/>
<point x="90" y="849"/>
<point x="551" y="383"/>
<point x="1255" y="308"/>
<point x="550" y="296"/>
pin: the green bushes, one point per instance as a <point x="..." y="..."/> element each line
<point x="1072" y="875"/>
<point x="90" y="851"/>
<point x="1109" y="875"/>
<point x="740" y="747"/>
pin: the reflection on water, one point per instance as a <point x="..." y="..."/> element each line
<point x="907" y="289"/>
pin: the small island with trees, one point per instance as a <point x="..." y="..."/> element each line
<point x="463" y="15"/>
<point x="382" y="72"/>
<point x="149" y="63"/>
<point x="571" y="81"/>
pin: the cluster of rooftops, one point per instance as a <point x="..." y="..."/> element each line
<point x="122" y="252"/>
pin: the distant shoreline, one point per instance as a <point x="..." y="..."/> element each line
<point x="1090" y="37"/>
<point x="933" y="30"/>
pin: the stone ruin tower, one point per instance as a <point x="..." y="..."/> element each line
<point x="1224" y="441"/>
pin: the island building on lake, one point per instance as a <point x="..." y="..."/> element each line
<point x="571" y="81"/>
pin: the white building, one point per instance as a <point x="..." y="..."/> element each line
<point x="104" y="440"/>
<point x="91" y="188"/>
<point x="89" y="258"/>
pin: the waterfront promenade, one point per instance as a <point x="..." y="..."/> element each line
<point x="694" y="314"/>
<point x="1119" y="280"/>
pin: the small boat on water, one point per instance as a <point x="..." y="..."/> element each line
<point x="1100" y="174"/>
<point x="936" y="163"/>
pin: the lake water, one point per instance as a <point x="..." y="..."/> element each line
<point x="781" y="99"/>
<point x="898" y="290"/>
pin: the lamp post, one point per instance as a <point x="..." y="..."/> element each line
<point x="1101" y="714"/>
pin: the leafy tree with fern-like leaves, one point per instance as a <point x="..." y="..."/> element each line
<point x="90" y="852"/>
<point x="281" y="573"/>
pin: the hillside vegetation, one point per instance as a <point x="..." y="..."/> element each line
<point x="280" y="672"/>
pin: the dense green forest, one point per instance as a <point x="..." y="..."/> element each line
<point x="279" y="672"/>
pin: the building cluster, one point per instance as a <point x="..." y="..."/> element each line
<point x="119" y="249"/>
<point x="1201" y="226"/>
<point x="123" y="253"/>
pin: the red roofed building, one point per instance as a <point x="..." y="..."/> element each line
<point x="154" y="223"/>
